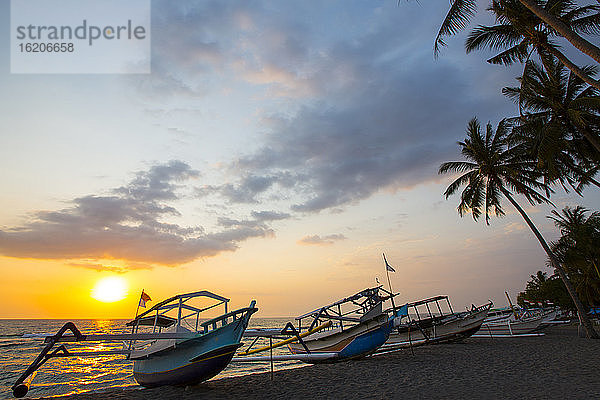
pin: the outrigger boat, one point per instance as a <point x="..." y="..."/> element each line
<point x="427" y="321"/>
<point x="519" y="323"/>
<point x="359" y="326"/>
<point x="514" y="321"/>
<point x="169" y="344"/>
<point x="350" y="328"/>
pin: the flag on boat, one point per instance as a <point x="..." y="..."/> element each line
<point x="388" y="267"/>
<point x="144" y="298"/>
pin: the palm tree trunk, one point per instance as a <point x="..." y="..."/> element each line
<point x="580" y="43"/>
<point x="569" y="64"/>
<point x="583" y="318"/>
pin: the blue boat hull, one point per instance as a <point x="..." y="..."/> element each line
<point x="356" y="342"/>
<point x="191" y="361"/>
<point x="367" y="343"/>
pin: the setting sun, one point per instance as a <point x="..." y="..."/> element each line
<point x="110" y="289"/>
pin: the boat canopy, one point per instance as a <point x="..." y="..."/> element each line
<point x="425" y="301"/>
<point x="349" y="311"/>
<point x="156" y="313"/>
<point x="162" y="321"/>
<point x="365" y="300"/>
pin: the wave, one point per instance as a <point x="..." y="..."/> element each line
<point x="9" y="345"/>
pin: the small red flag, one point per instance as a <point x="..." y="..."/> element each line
<point x="144" y="298"/>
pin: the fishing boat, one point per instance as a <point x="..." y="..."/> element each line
<point x="518" y="323"/>
<point x="356" y="327"/>
<point x="433" y="320"/>
<point x="169" y="344"/>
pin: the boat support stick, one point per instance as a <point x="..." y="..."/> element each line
<point x="21" y="386"/>
<point x="410" y="341"/>
<point x="271" y="348"/>
<point x="511" y="305"/>
<point x="289" y="327"/>
<point x="290" y="340"/>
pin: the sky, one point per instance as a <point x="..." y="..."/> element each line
<point x="274" y="152"/>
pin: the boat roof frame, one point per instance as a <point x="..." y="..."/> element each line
<point x="369" y="294"/>
<point x="178" y="302"/>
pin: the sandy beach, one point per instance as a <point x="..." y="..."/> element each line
<point x="557" y="365"/>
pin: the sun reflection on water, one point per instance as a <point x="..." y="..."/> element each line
<point x="73" y="375"/>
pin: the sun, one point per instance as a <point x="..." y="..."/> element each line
<point x="110" y="289"/>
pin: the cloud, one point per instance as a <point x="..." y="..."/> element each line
<point x="247" y="189"/>
<point x="385" y="136"/>
<point x="128" y="225"/>
<point x="379" y="114"/>
<point x="318" y="240"/>
<point x="269" y="215"/>
<point x="513" y="227"/>
<point x="366" y="108"/>
<point x="110" y="268"/>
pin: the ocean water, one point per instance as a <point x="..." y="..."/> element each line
<point x="68" y="375"/>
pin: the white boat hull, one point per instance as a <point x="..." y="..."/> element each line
<point x="450" y="328"/>
<point x="510" y="326"/>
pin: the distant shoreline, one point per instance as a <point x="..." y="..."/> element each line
<point x="557" y="365"/>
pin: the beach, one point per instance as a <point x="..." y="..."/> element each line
<point x="556" y="365"/>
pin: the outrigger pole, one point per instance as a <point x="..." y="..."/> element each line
<point x="21" y="386"/>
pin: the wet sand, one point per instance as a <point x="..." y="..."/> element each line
<point x="557" y="365"/>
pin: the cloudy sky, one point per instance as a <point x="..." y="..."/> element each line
<point x="276" y="150"/>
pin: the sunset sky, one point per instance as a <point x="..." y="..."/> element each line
<point x="276" y="150"/>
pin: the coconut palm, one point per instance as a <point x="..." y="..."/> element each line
<point x="565" y="30"/>
<point x="556" y="154"/>
<point x="492" y="170"/>
<point x="537" y="280"/>
<point x="462" y="11"/>
<point x="519" y="32"/>
<point x="549" y="17"/>
<point x="560" y="119"/>
<point x="578" y="249"/>
<point x="546" y="289"/>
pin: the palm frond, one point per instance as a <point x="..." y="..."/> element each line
<point x="456" y="166"/>
<point x="458" y="183"/>
<point x="513" y="93"/>
<point x="589" y="25"/>
<point x="492" y="201"/>
<point x="510" y="56"/>
<point x="458" y="17"/>
<point x="493" y="37"/>
<point x="586" y="103"/>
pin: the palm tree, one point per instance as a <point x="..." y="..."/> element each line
<point x="578" y="249"/>
<point x="519" y="32"/>
<point x="565" y="31"/>
<point x="493" y="169"/>
<point x="546" y="289"/>
<point x="537" y="280"/>
<point x="560" y="118"/>
<point x="462" y="11"/>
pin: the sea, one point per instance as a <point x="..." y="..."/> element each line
<point x="71" y="375"/>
